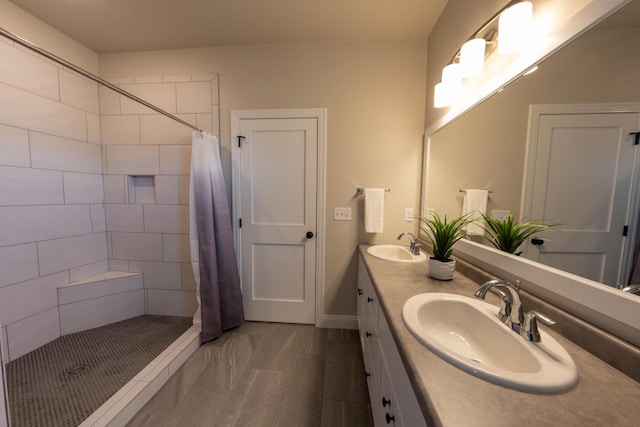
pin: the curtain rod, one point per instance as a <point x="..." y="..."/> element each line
<point x="91" y="76"/>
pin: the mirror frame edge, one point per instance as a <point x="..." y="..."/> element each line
<point x="607" y="308"/>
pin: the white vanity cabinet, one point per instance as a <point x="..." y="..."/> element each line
<point x="393" y="401"/>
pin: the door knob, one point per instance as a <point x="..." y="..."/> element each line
<point x="537" y="242"/>
<point x="309" y="234"/>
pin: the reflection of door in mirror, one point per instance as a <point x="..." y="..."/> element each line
<point x="580" y="174"/>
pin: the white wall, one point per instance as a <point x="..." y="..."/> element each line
<point x="51" y="214"/>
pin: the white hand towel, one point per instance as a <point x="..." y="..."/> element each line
<point x="373" y="210"/>
<point x="475" y="203"/>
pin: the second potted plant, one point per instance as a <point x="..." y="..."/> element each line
<point x="443" y="234"/>
<point x="508" y="234"/>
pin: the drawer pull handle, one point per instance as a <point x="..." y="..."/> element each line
<point x="385" y="402"/>
<point x="367" y="374"/>
<point x="359" y="291"/>
<point x="368" y="334"/>
<point x="369" y="299"/>
<point x="390" y="418"/>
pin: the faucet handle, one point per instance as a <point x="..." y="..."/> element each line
<point x="529" y="329"/>
<point x="416" y="249"/>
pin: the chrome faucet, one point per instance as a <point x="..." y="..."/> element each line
<point x="414" y="247"/>
<point x="632" y="289"/>
<point x="511" y="312"/>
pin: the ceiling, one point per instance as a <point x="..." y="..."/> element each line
<point x="135" y="25"/>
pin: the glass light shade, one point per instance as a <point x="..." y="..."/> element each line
<point x="446" y="93"/>
<point x="452" y="74"/>
<point x="514" y="27"/>
<point x="472" y="57"/>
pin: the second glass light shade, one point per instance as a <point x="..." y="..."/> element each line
<point x="472" y="57"/>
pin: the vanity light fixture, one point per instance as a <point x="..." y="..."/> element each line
<point x="508" y="30"/>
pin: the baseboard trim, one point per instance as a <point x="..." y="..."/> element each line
<point x="338" y="322"/>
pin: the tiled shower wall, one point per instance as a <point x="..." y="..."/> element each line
<point x="52" y="222"/>
<point x="147" y="160"/>
<point x="66" y="212"/>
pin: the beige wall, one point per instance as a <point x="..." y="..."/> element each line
<point x="374" y="94"/>
<point x="21" y="23"/>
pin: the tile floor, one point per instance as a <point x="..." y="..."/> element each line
<point x="267" y="374"/>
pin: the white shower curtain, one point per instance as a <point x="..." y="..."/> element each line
<point x="213" y="256"/>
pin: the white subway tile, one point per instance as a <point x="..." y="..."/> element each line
<point x="215" y="90"/>
<point x="149" y="79"/>
<point x="109" y="101"/>
<point x="175" y="159"/>
<point x="53" y="152"/>
<point x="185" y="185"/>
<point x="166" y="219"/>
<point x="24" y="186"/>
<point x="177" y="78"/>
<point x="93" y="128"/>
<point x="120" y="130"/>
<point x="71" y="252"/>
<point x="88" y="270"/>
<point x="79" y="92"/>
<point x="158" y="129"/>
<point x="98" y="218"/>
<point x="114" y="189"/>
<point x="26" y="110"/>
<point x="202" y="77"/>
<point x="82" y="188"/>
<point x="124" y="217"/>
<point x="28" y="334"/>
<point x="89" y="314"/>
<point x="25" y="224"/>
<point x="176" y="247"/>
<point x="188" y="279"/>
<point x="102" y="286"/>
<point x="121" y="80"/>
<point x="171" y="303"/>
<point x="18" y="263"/>
<point x="194" y="97"/>
<point x="167" y="189"/>
<point x="22" y="70"/>
<point x="25" y="299"/>
<point x="159" y="275"/>
<point x="162" y="95"/>
<point x="204" y="122"/>
<point x="137" y="246"/>
<point x="15" y="146"/>
<point x="133" y="160"/>
<point x="118" y="265"/>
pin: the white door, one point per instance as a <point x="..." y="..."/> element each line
<point x="277" y="189"/>
<point x="583" y="176"/>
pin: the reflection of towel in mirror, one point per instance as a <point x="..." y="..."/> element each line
<point x="475" y="203"/>
<point x="373" y="210"/>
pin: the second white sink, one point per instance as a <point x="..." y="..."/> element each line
<point x="395" y="253"/>
<point x="467" y="333"/>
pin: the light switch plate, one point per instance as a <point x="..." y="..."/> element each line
<point x="408" y="214"/>
<point x="342" y="214"/>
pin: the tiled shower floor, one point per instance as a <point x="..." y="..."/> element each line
<point x="66" y="380"/>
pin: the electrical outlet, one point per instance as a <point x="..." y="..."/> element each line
<point x="342" y="214"/>
<point x="408" y="214"/>
<point x="500" y="214"/>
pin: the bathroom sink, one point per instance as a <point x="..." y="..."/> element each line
<point x="395" y="253"/>
<point x="467" y="333"/>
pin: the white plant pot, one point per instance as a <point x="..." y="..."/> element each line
<point x="441" y="270"/>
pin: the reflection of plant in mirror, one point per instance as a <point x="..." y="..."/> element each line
<point x="507" y="234"/>
<point x="443" y="234"/>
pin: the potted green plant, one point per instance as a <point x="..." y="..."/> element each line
<point x="508" y="234"/>
<point x="443" y="234"/>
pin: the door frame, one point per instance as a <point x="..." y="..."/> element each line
<point x="320" y="114"/>
<point x="633" y="213"/>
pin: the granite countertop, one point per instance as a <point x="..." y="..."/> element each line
<point x="450" y="397"/>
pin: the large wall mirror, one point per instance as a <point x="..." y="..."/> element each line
<point x="591" y="80"/>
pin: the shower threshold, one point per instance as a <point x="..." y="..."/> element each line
<point x="64" y="387"/>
